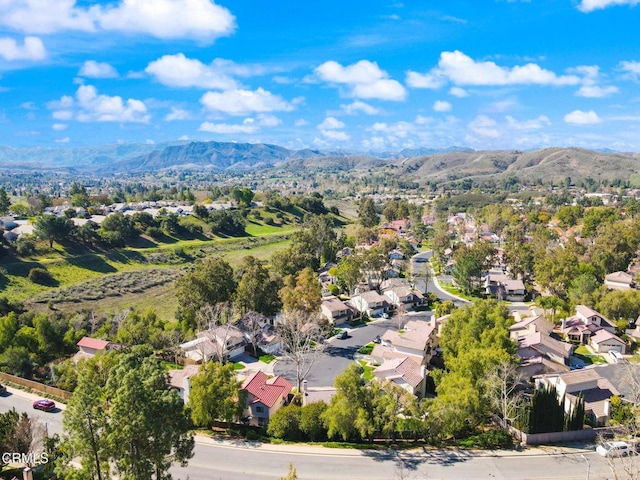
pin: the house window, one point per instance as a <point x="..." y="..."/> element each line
<point x="259" y="409"/>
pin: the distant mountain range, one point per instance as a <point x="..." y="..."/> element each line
<point x="420" y="164"/>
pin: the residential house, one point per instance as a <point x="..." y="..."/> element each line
<point x="603" y="341"/>
<point x="588" y="382"/>
<point x="90" y="347"/>
<point x="417" y="340"/>
<point x="503" y="287"/>
<point x="181" y="380"/>
<point x="223" y="342"/>
<point x="396" y="254"/>
<point x="540" y="353"/>
<point x="579" y="327"/>
<point x="316" y="394"/>
<point x="259" y="332"/>
<point x="619" y="281"/>
<point x="528" y="326"/>
<point x="405" y="372"/>
<point x="404" y="296"/>
<point x="371" y="303"/>
<point x="335" y="310"/>
<point x="265" y="396"/>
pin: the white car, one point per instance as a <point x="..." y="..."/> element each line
<point x="614" y="449"/>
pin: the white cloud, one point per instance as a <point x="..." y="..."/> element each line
<point x="93" y="69"/>
<point x="578" y="117"/>
<point x="338" y="135"/>
<point x="458" y="92"/>
<point x="62" y="140"/>
<point x="533" y="124"/>
<point x="301" y="122"/>
<point x="364" y="79"/>
<point x="169" y="19"/>
<point x="177" y="114"/>
<point x="239" y="102"/>
<point x="89" y="106"/>
<point x="441" y="106"/>
<point x="594" y="91"/>
<point x="331" y="123"/>
<point x="460" y="69"/>
<point x="358" y="106"/>
<point x="591" y="5"/>
<point x="268" y="120"/>
<point x="226" y="128"/>
<point x="59" y="127"/>
<point x="31" y="49"/>
<point x="632" y="68"/>
<point x="424" y="80"/>
<point x="484" y="126"/>
<point x="180" y="71"/>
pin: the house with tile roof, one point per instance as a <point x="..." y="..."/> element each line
<point x="90" y="347"/>
<point x="603" y="341"/>
<point x="581" y="326"/>
<point x="540" y="353"/>
<point x="335" y="310"/>
<point x="180" y="379"/>
<point x="588" y="382"/>
<point x="619" y="281"/>
<point x="371" y="303"/>
<point x="265" y="396"/>
<point x="404" y="296"/>
<point x="405" y="372"/>
<point x="417" y="340"/>
<point x="530" y="325"/>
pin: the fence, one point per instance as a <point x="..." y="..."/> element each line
<point x="586" y="435"/>
<point x="40" y="387"/>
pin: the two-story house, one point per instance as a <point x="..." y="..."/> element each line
<point x="371" y="303"/>
<point x="335" y="310"/>
<point x="265" y="396"/>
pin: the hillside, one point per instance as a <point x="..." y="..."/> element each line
<point x="544" y="164"/>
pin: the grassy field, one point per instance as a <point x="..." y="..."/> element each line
<point x="90" y="279"/>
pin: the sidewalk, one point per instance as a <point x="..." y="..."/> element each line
<point x="307" y="449"/>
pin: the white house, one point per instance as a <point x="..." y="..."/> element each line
<point x="371" y="303"/>
<point x="603" y="341"/>
<point x="220" y="342"/>
<point x="405" y="372"/>
<point x="181" y="380"/>
<point x="619" y="281"/>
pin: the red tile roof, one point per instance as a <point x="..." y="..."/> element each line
<point x="266" y="390"/>
<point x="94" y="343"/>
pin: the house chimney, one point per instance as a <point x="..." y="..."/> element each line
<point x="564" y="323"/>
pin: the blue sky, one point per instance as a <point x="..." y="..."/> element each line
<point x="368" y="75"/>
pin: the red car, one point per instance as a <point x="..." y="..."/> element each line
<point x="44" y="405"/>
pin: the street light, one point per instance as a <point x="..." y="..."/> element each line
<point x="588" y="465"/>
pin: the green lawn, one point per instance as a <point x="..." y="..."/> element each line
<point x="368" y="369"/>
<point x="267" y="358"/>
<point x="367" y="349"/>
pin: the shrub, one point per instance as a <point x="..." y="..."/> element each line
<point x="333" y="289"/>
<point x="491" y="439"/>
<point x="41" y="276"/>
<point x="25" y="246"/>
<point x="154" y="232"/>
<point x="269" y="221"/>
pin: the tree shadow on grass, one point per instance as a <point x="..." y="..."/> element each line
<point x="125" y="256"/>
<point x="91" y="262"/>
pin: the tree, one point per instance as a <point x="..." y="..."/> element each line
<point x="124" y="415"/>
<point x="52" y="228"/>
<point x="301" y="335"/>
<point x="302" y="293"/>
<point x="210" y="282"/>
<point x="257" y="291"/>
<point x="311" y="423"/>
<point x="5" y="202"/>
<point x="117" y="229"/>
<point x="367" y="213"/>
<point x="216" y="394"/>
<point x="148" y="427"/>
<point x="341" y="415"/>
<point x="502" y="391"/>
<point x="285" y="423"/>
<point x="349" y="272"/>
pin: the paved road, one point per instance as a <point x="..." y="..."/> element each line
<point x="23" y="402"/>
<point x="421" y="269"/>
<point x="219" y="460"/>
<point x="226" y="462"/>
<point x="337" y="356"/>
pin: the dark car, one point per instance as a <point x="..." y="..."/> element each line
<point x="342" y="335"/>
<point x="44" y="405"/>
<point x="421" y="260"/>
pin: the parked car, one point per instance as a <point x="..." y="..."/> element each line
<point x="421" y="260"/>
<point x="44" y="405"/>
<point x="3" y="389"/>
<point x="616" y="356"/>
<point x="614" y="449"/>
<point x="342" y="335"/>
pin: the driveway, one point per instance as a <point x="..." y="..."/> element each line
<point x="337" y="356"/>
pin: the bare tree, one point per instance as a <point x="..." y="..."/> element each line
<point x="502" y="391"/>
<point x="253" y="325"/>
<point x="302" y="341"/>
<point x="216" y="323"/>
